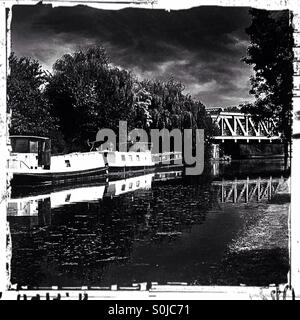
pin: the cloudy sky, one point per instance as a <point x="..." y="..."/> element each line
<point x="201" y="47"/>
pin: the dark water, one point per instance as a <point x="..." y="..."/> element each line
<point x="160" y="227"/>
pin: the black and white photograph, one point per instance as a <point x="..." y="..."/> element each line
<point x="149" y="151"/>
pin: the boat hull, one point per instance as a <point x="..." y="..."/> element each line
<point x="57" y="178"/>
<point x="118" y="169"/>
<point x="121" y="172"/>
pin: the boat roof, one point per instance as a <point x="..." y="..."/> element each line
<point x="29" y="137"/>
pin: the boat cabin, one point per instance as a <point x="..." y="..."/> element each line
<point x="31" y="151"/>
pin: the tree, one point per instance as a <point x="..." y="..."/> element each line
<point x="271" y="54"/>
<point x="170" y="108"/>
<point x="141" y="103"/>
<point x="26" y="99"/>
<point x="86" y="94"/>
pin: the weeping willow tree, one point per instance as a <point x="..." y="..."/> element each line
<point x="171" y="108"/>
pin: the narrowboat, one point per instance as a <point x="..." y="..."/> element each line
<point x="31" y="163"/>
<point x="140" y="161"/>
<point x="168" y="159"/>
<point x="124" y="162"/>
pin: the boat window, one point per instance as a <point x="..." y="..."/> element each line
<point x="138" y="183"/>
<point x="130" y="185"/>
<point x="33" y="146"/>
<point x="123" y="157"/>
<point x="43" y="145"/>
<point x="20" y="145"/>
<point x="67" y="162"/>
<point x="138" y="157"/>
<point x="130" y="157"/>
<point x="123" y="187"/>
<point x="48" y="145"/>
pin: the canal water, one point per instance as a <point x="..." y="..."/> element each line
<point x="228" y="226"/>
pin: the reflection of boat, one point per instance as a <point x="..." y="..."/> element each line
<point x="167" y="175"/>
<point x="86" y="194"/>
<point x="31" y="163"/>
<point x="29" y="206"/>
<point x="25" y="206"/>
<point x="118" y="187"/>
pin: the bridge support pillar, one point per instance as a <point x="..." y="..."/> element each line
<point x="215" y="151"/>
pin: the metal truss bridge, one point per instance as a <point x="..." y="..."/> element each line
<point x="237" y="126"/>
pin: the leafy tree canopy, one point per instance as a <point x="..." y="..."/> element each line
<point x="271" y="55"/>
<point x="26" y="99"/>
<point x="85" y="93"/>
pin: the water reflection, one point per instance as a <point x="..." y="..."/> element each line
<point x="156" y="227"/>
<point x="247" y="190"/>
<point x="119" y="187"/>
<point x="248" y="168"/>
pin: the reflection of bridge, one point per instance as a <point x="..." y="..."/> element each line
<point x="239" y="126"/>
<point x="244" y="191"/>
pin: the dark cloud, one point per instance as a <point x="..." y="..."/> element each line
<point x="202" y="47"/>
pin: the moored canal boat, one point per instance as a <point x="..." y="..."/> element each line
<point x="173" y="158"/>
<point x="124" y="162"/>
<point x="31" y="163"/>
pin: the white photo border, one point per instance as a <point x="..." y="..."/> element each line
<point x="182" y="292"/>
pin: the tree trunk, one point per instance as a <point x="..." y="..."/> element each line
<point x="286" y="154"/>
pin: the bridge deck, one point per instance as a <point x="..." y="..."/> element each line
<point x="247" y="138"/>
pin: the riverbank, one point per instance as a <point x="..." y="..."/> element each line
<point x="262" y="245"/>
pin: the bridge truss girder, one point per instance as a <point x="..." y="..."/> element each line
<point x="239" y="126"/>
